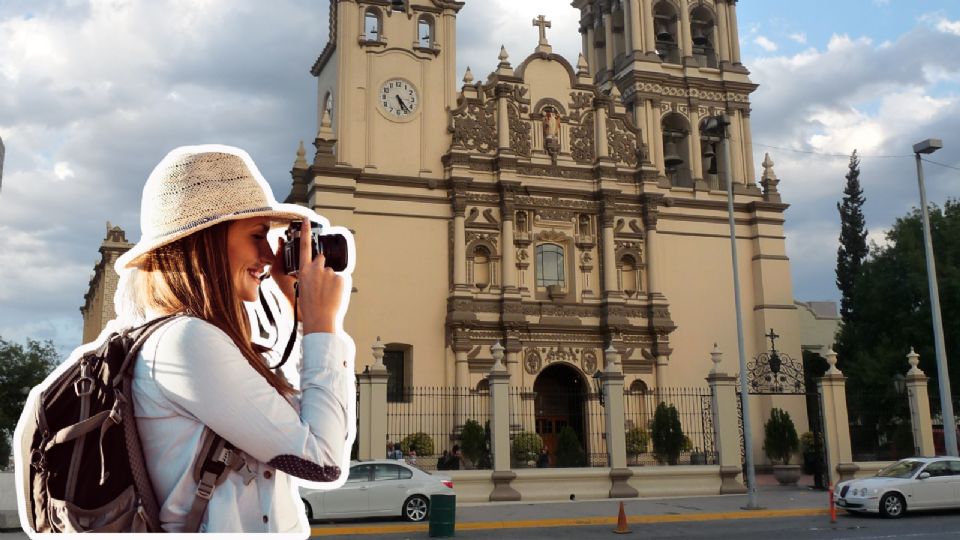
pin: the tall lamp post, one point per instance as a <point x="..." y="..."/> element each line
<point x="716" y="126"/>
<point x="930" y="146"/>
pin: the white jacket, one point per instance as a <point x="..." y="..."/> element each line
<point x="190" y="374"/>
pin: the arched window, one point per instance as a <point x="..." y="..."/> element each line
<point x="398" y="359"/>
<point x="372" y="27"/>
<point x="630" y="282"/>
<point x="667" y="37"/>
<point x="711" y="148"/>
<point x="327" y="106"/>
<point x="676" y="149"/>
<point x="550" y="265"/>
<point x="481" y="267"/>
<point x="703" y="32"/>
<point x="425" y="32"/>
<point x="483" y="387"/>
<point x="638" y="386"/>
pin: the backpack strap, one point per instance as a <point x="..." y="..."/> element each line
<point x="215" y="459"/>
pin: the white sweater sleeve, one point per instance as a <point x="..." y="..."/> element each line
<point x="199" y="369"/>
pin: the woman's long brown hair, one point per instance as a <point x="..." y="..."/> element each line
<point x="192" y="276"/>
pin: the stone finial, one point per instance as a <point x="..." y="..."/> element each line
<point x="503" y="55"/>
<point x="832" y="361"/>
<point x="769" y="179"/>
<point x="504" y="67"/>
<point x="497" y="351"/>
<point x="468" y="76"/>
<point x="716" y="357"/>
<point x="583" y="69"/>
<point x="914" y="360"/>
<point x="301" y="162"/>
<point x="378" y="348"/>
<point x="615" y="93"/>
<point x="611" y="356"/>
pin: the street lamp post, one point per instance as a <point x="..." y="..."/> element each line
<point x="717" y="127"/>
<point x="930" y="146"/>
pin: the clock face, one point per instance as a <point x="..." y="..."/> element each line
<point x="398" y="98"/>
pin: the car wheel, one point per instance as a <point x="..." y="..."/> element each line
<point x="892" y="505"/>
<point x="309" y="510"/>
<point x="416" y="508"/>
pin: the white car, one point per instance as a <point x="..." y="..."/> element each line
<point x="379" y="487"/>
<point x="909" y="484"/>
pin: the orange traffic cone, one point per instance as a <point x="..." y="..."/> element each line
<point x="622" y="522"/>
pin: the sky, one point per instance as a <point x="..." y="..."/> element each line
<point x="93" y="93"/>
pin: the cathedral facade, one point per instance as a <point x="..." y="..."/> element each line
<point x="558" y="207"/>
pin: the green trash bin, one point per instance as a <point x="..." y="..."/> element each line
<point x="443" y="515"/>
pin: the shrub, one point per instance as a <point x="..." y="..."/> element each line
<point x="808" y="443"/>
<point x="420" y="442"/>
<point x="526" y="447"/>
<point x="667" y="434"/>
<point x="472" y="443"/>
<point x="637" y="441"/>
<point x="780" y="437"/>
<point x="569" y="451"/>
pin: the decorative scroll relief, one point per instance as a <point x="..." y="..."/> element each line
<point x="535" y="358"/>
<point x="519" y="132"/>
<point x="472" y="236"/>
<point x="581" y="140"/>
<point x="556" y="202"/>
<point x="474" y="127"/>
<point x="675" y="91"/>
<point x="622" y="142"/>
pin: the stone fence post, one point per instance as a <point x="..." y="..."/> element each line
<point x="920" y="420"/>
<point x="723" y="400"/>
<point x="372" y="409"/>
<point x="499" y="379"/>
<point x="836" y="423"/>
<point x="612" y="380"/>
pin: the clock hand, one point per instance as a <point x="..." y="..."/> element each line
<point x="402" y="104"/>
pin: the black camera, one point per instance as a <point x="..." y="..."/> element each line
<point x="333" y="247"/>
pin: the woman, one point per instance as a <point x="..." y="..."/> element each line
<point x="205" y="218"/>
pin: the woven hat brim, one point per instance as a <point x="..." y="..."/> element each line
<point x="131" y="259"/>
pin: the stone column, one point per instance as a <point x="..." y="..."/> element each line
<point x="608" y="253"/>
<point x="633" y="21"/>
<point x="686" y="40"/>
<point x="919" y="408"/>
<point x="723" y="33"/>
<point x="736" y="148"/>
<point x="600" y="116"/>
<point x="650" y="213"/>
<point x="507" y="250"/>
<point x="503" y="119"/>
<point x="734" y="33"/>
<point x="372" y="412"/>
<point x="836" y="424"/>
<point x="612" y="380"/>
<point x="648" y="29"/>
<point x="608" y="37"/>
<point x="696" y="153"/>
<point x="726" y="432"/>
<point x="590" y="50"/>
<point x="657" y="136"/>
<point x="459" y="197"/>
<point x="500" y="429"/>
<point x="750" y="174"/>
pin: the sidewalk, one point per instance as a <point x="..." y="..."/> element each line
<point x="776" y="501"/>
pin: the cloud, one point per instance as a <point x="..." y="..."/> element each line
<point x="63" y="171"/>
<point x="799" y="37"/>
<point x="948" y="26"/>
<point x="765" y="43"/>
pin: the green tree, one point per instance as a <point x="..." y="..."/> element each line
<point x="569" y="451"/>
<point x="780" y="439"/>
<point x="853" y="237"/>
<point x="667" y="434"/>
<point x="472" y="441"/>
<point x="21" y="368"/>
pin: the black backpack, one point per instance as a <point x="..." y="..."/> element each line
<point x="85" y="470"/>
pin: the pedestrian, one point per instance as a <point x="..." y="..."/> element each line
<point x="543" y="460"/>
<point x="444" y="462"/>
<point x="454" y="462"/>
<point x="204" y="252"/>
<point x="412" y="457"/>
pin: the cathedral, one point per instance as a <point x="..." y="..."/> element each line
<point x="556" y="206"/>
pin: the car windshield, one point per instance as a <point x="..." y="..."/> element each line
<point x="901" y="469"/>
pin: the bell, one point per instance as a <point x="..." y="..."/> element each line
<point x="671" y="158"/>
<point x="699" y="38"/>
<point x="662" y="33"/>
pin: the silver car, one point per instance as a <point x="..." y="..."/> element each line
<point x="380" y="487"/>
<point x="909" y="484"/>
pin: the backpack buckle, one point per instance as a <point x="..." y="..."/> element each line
<point x="83" y="386"/>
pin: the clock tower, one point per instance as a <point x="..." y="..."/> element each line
<point x="385" y="82"/>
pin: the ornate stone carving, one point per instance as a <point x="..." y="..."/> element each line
<point x="493" y="238"/>
<point x="551" y="235"/>
<point x="622" y="142"/>
<point x="474" y="127"/>
<point x="581" y="140"/>
<point x="531" y="361"/>
<point x="581" y="100"/>
<point x="519" y="132"/>
<point x="589" y="361"/>
<point x="556" y="202"/>
<point x="553" y="214"/>
<point x="554" y="171"/>
<point x="482" y="198"/>
<point x="561" y="354"/>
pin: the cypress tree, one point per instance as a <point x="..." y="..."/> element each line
<point x="853" y="238"/>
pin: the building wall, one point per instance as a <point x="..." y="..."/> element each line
<point x="98" y="308"/>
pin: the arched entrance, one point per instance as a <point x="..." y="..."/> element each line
<point x="560" y="391"/>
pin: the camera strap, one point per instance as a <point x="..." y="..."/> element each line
<point x="273" y="322"/>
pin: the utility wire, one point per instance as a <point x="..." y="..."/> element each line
<point x="827" y="154"/>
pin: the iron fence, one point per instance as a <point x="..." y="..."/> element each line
<point x="429" y="420"/>
<point x="571" y="426"/>
<point x="695" y="412"/>
<point x="936" y="417"/>
<point x="880" y="428"/>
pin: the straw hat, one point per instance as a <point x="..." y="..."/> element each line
<point x="195" y="187"/>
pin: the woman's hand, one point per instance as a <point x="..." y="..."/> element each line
<point x="320" y="288"/>
<point x="279" y="274"/>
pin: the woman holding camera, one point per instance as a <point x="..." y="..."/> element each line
<point x="204" y="253"/>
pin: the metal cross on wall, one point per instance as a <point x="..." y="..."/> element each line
<point x="543" y="23"/>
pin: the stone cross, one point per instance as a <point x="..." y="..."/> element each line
<point x="543" y="23"/>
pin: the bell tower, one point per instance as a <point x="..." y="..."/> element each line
<point x="384" y="83"/>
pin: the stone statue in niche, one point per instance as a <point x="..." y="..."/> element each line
<point x="551" y="131"/>
<point x="584" y="225"/>
<point x="521" y="222"/>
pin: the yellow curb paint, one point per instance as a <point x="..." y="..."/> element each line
<point x="566" y="522"/>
